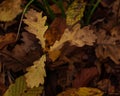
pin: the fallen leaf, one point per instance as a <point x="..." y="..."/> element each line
<point x="76" y="36"/>
<point x="55" y="31"/>
<point x="84" y="77"/>
<point x="75" y="12"/>
<point x="109" y="45"/>
<point x="20" y="89"/>
<point x="7" y="39"/>
<point x="9" y="9"/>
<point x="36" y="73"/>
<point x="36" y="25"/>
<point x="82" y="91"/>
<point x="106" y="85"/>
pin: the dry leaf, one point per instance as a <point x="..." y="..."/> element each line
<point x="55" y="31"/>
<point x="7" y="39"/>
<point x="82" y="91"/>
<point x="36" y="73"/>
<point x="9" y="9"/>
<point x="36" y="25"/>
<point x="106" y="84"/>
<point x="84" y="77"/>
<point x="76" y="36"/>
<point x="75" y="12"/>
<point x="109" y="45"/>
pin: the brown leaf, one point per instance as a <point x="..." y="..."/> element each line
<point x="105" y="84"/>
<point x="109" y="45"/>
<point x="55" y="31"/>
<point x="56" y="9"/>
<point x="85" y="76"/>
<point x="7" y="39"/>
<point x="22" y="55"/>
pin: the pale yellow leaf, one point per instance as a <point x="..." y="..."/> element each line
<point x="76" y="36"/>
<point x="9" y="9"/>
<point x="36" y="25"/>
<point x="36" y="73"/>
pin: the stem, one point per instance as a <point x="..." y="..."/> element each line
<point x="19" y="27"/>
<point x="92" y="11"/>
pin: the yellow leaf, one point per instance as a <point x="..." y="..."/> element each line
<point x="83" y="91"/>
<point x="36" y="25"/>
<point x="36" y="73"/>
<point x="75" y="12"/>
<point x="76" y="36"/>
<point x="9" y="9"/>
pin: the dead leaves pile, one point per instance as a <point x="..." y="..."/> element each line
<point x="60" y="44"/>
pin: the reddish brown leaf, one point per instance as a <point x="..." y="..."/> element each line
<point x="85" y="76"/>
<point x="55" y="31"/>
<point x="7" y="39"/>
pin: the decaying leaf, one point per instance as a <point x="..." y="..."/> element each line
<point x="36" y="25"/>
<point x="109" y="45"/>
<point x="84" y="77"/>
<point x="36" y="73"/>
<point x="9" y="9"/>
<point x="55" y="30"/>
<point x="106" y="84"/>
<point x="76" y="36"/>
<point x="7" y="39"/>
<point x="82" y="91"/>
<point x="20" y="89"/>
<point x="75" y="12"/>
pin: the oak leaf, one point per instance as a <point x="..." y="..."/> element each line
<point x="36" y="25"/>
<point x="36" y="73"/>
<point x="9" y="9"/>
<point x="76" y="36"/>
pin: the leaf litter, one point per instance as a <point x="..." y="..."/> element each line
<point x="62" y="57"/>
